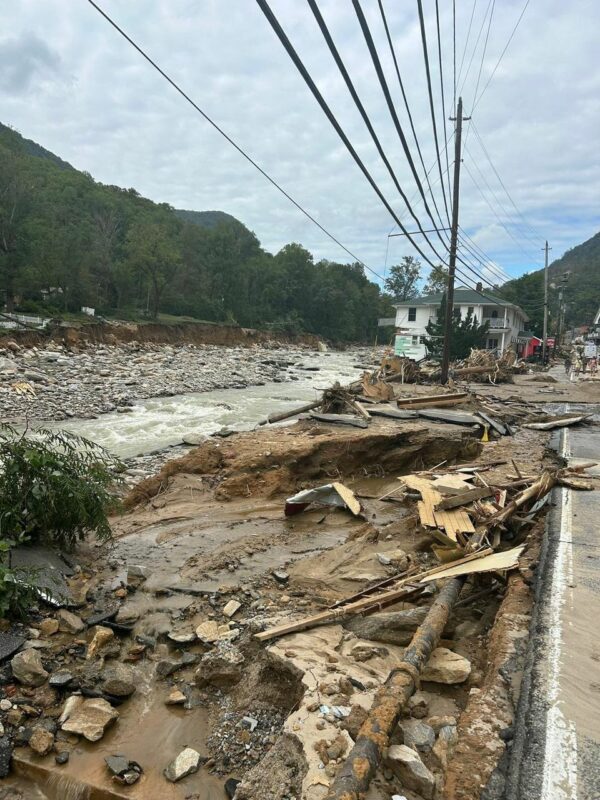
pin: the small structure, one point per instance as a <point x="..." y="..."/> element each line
<point x="505" y="320"/>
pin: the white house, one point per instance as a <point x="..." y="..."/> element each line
<point x="506" y="320"/>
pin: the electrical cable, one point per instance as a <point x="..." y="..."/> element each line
<point x="462" y="86"/>
<point x="510" y="38"/>
<point x="462" y="60"/>
<point x="408" y="111"/>
<point x="486" y="264"/>
<point x="454" y="56"/>
<point x="514" y="205"/>
<point x="535" y="242"/>
<point x="439" y="38"/>
<point x="282" y="36"/>
<point x="231" y="141"/>
<point x="357" y="101"/>
<point x="384" y="86"/>
<point x="430" y="94"/>
<point x="496" y="215"/>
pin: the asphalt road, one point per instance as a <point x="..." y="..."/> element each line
<point x="555" y="753"/>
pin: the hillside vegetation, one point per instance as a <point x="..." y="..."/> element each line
<point x="67" y="241"/>
<point x="581" y="294"/>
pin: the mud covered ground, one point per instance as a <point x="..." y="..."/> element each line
<point x="204" y="558"/>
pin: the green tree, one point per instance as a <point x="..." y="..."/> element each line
<point x="15" y="203"/>
<point x="153" y="252"/>
<point x="403" y="279"/>
<point x="467" y="333"/>
<point x="437" y="280"/>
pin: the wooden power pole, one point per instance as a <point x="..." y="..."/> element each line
<point x="453" y="243"/>
<point x="545" y="331"/>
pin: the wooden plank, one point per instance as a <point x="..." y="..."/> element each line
<point x="463" y="499"/>
<point x="454" y="522"/>
<point x="489" y="563"/>
<point x="451" y="484"/>
<point x="432" y="400"/>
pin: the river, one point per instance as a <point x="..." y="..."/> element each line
<point x="160" y="422"/>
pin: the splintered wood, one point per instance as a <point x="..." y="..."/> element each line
<point x="452" y="521"/>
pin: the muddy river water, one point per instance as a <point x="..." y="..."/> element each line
<point x="161" y="422"/>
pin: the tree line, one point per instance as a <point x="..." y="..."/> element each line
<point x="67" y="241"/>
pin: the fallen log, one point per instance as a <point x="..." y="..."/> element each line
<point x="281" y="415"/>
<point x="352" y="782"/>
<point x="565" y="422"/>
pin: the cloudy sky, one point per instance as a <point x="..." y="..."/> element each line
<point x="71" y="83"/>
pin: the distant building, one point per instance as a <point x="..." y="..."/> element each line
<point x="506" y="320"/>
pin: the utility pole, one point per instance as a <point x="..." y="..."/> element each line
<point x="545" y="332"/>
<point x="459" y="119"/>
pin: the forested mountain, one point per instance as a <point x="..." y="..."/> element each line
<point x="67" y="241"/>
<point x="581" y="292"/>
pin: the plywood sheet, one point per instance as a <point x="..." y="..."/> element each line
<point x="495" y="561"/>
<point x="454" y="522"/>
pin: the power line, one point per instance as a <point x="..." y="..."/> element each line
<point x="525" y="236"/>
<point x="496" y="214"/>
<point x="383" y="83"/>
<point x="482" y="254"/>
<point x="488" y="264"/>
<point x="491" y="163"/>
<point x="462" y="86"/>
<point x="344" y="72"/>
<point x="454" y="56"/>
<point x="408" y="111"/>
<point x="510" y="38"/>
<point x="462" y="60"/>
<point x="487" y="36"/>
<point x="431" y="107"/>
<point x="281" y="35"/>
<point x="231" y="141"/>
<point x="439" y="38"/>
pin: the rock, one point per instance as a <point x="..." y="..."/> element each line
<point x="186" y="763"/>
<point x="91" y="719"/>
<point x="208" y="632"/>
<point x="231" y="607"/>
<point x="69" y="622"/>
<point x="445" y="666"/>
<point x="5" y="704"/>
<point x="280" y="575"/>
<point x="439" y="722"/>
<point x="28" y="669"/>
<point x="62" y="757"/>
<point x="41" y="741"/>
<point x="176" y="698"/>
<point x="119" y="680"/>
<point x="182" y="637"/>
<point x="446" y="739"/>
<point x="71" y="705"/>
<point x="123" y="770"/>
<point x="418" y="705"/>
<point x="138" y="571"/>
<point x="48" y="627"/>
<point x="353" y="722"/>
<point x="394" y="627"/>
<point x="230" y="787"/>
<point x="167" y="666"/>
<point x="418" y="735"/>
<point x="222" y="667"/>
<point x="7" y="366"/>
<point x="126" y="616"/>
<point x="100" y="639"/>
<point x="60" y="680"/>
<point x="6" y="749"/>
<point x="193" y="439"/>
<point x="411" y="771"/>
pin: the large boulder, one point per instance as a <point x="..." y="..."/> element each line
<point x="411" y="771"/>
<point x="91" y="718"/>
<point x="445" y="666"/>
<point x="28" y="669"/>
<point x="69" y="622"/>
<point x="222" y="667"/>
<point x="418" y="735"/>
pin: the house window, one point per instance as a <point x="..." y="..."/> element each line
<point x="412" y="314"/>
<point x="492" y="344"/>
<point x="470" y="310"/>
<point x="494" y="314"/>
<point x="422" y="339"/>
<point x="415" y="340"/>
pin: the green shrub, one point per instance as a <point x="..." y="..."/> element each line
<point x="54" y="487"/>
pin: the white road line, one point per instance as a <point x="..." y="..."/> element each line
<point x="560" y="758"/>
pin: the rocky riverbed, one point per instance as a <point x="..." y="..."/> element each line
<point x="56" y="383"/>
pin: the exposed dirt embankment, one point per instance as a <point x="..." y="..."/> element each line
<point x="158" y="333"/>
<point x="280" y="460"/>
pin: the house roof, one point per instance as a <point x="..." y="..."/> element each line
<point x="471" y="297"/>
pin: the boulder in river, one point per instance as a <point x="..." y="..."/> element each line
<point x="91" y="719"/>
<point x="28" y="669"/>
<point x="186" y="763"/>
